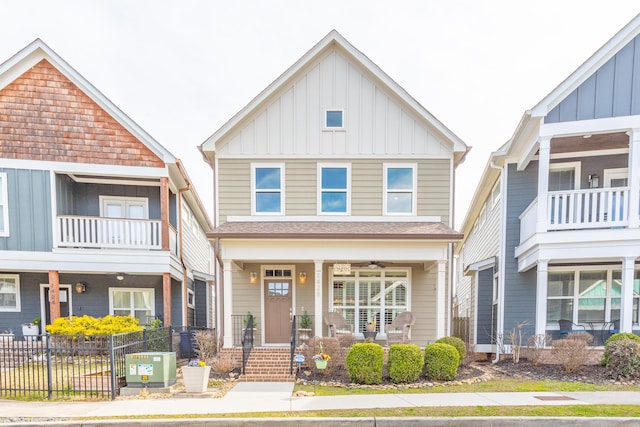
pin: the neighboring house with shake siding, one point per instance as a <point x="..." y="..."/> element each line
<point x="96" y="217"/>
<point x="553" y="231"/>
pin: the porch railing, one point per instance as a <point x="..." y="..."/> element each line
<point x="302" y="329"/>
<point x="97" y="232"/>
<point x="247" y="342"/>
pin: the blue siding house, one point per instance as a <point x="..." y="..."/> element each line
<point x="566" y="214"/>
<point x="96" y="217"/>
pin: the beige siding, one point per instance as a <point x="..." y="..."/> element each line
<point x="246" y="295"/>
<point x="434" y="188"/>
<point x="366" y="188"/>
<point x="423" y="304"/>
<point x="301" y="183"/>
<point x="234" y="183"/>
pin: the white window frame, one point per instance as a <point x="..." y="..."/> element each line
<point x="4" y="203"/>
<point x="320" y="190"/>
<point x="413" y="191"/>
<point x="324" y="119"/>
<point x="16" y="278"/>
<point x="495" y="194"/>
<point x="191" y="298"/>
<point x="131" y="290"/>
<point x="255" y="166"/>
<point x="615" y="173"/>
<point x="139" y="201"/>
<point x="576" y="166"/>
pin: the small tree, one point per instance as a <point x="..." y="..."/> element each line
<point x="515" y="339"/>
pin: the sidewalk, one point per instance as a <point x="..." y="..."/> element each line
<point x="277" y="397"/>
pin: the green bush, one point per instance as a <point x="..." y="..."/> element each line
<point x="457" y="343"/>
<point x="441" y="361"/>
<point x="616" y="337"/>
<point x="364" y="363"/>
<point x="624" y="358"/>
<point x="88" y="325"/>
<point x="405" y="363"/>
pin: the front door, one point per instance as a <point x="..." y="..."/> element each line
<point x="65" y="303"/>
<point x="277" y="310"/>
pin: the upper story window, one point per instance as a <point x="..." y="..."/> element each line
<point x="400" y="189"/>
<point x="334" y="188"/>
<point x="124" y="207"/>
<point x="4" y="208"/>
<point x="9" y="292"/>
<point x="495" y="194"/>
<point x="334" y="119"/>
<point x="564" y="176"/>
<point x="267" y="188"/>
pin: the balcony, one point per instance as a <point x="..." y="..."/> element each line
<point x="109" y="233"/>
<point x="579" y="210"/>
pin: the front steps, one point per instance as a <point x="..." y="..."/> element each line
<point x="268" y="364"/>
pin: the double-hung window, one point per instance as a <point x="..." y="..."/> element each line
<point x="334" y="182"/>
<point x="4" y="208"/>
<point x="267" y="182"/>
<point x="400" y="184"/>
<point x="139" y="303"/>
<point x="9" y="292"/>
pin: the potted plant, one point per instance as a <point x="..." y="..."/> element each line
<point x="305" y="326"/>
<point x="31" y="330"/>
<point x="196" y="376"/>
<point x="321" y="359"/>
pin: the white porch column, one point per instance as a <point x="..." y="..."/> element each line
<point x="318" y="297"/>
<point x="228" y="322"/>
<point x="626" y="309"/>
<point x="634" y="178"/>
<point x="441" y="317"/>
<point x="541" y="297"/>
<point x="543" y="183"/>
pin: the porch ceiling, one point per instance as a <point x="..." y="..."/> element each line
<point x="604" y="141"/>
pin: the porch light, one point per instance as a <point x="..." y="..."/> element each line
<point x="80" y="288"/>
<point x="594" y="181"/>
<point x="253" y="277"/>
<point x="120" y="276"/>
<point x="302" y="277"/>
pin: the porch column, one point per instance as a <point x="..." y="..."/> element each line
<point x="634" y="178"/>
<point x="317" y="308"/>
<point x="166" y="298"/>
<point x="543" y="183"/>
<point x="164" y="212"/>
<point x="626" y="309"/>
<point x="228" y="325"/>
<point x="541" y="297"/>
<point x="54" y="295"/>
<point x="440" y="299"/>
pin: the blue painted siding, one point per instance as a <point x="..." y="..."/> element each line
<point x="201" y="303"/>
<point x="29" y="199"/>
<point x="484" y="328"/>
<point x="520" y="288"/>
<point x="29" y="302"/>
<point x="612" y="91"/>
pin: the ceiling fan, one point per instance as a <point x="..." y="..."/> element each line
<point x="373" y="264"/>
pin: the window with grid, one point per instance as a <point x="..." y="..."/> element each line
<point x="138" y="303"/>
<point x="9" y="292"/>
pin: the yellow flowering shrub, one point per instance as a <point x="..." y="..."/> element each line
<point x="88" y="325"/>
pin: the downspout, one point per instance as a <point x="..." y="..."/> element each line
<point x="501" y="259"/>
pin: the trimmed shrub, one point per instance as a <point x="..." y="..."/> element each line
<point x="88" y="325"/>
<point x="441" y="361"/>
<point x="617" y="337"/>
<point x="405" y="363"/>
<point x="571" y="353"/>
<point x="364" y="363"/>
<point x="624" y="358"/>
<point x="457" y="343"/>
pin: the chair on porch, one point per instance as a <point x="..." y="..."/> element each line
<point x="337" y="324"/>
<point x="398" y="330"/>
<point x="567" y="327"/>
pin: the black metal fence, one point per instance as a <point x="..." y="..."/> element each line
<point x="62" y="366"/>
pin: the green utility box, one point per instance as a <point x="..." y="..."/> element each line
<point x="151" y="369"/>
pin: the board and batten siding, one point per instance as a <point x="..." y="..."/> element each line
<point x="367" y="182"/>
<point x="612" y="91"/>
<point x="377" y="122"/>
<point x="29" y="205"/>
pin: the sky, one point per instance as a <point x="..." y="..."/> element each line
<point x="181" y="69"/>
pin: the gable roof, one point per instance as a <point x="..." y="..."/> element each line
<point x="332" y="39"/>
<point x="37" y="50"/>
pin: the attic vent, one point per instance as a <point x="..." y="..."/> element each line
<point x="334" y="119"/>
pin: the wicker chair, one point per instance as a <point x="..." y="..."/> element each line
<point x="398" y="330"/>
<point x="337" y="324"/>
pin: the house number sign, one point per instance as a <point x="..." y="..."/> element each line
<point x="341" y="268"/>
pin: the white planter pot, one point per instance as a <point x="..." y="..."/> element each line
<point x="30" y="332"/>
<point x="195" y="378"/>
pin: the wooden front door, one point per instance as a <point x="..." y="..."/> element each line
<point x="277" y="310"/>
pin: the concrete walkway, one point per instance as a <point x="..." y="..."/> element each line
<point x="277" y="397"/>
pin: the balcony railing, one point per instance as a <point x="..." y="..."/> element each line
<point x="96" y="232"/>
<point x="595" y="208"/>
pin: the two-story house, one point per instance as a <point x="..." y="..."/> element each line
<point x="334" y="192"/>
<point x="553" y="230"/>
<point x="96" y="217"/>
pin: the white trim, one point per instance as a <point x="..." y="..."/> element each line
<point x="16" y="279"/>
<point x="191" y="298"/>
<point x="482" y="265"/>
<point x="280" y="166"/>
<point x="261" y="281"/>
<point x="320" y="190"/>
<point x="4" y="204"/>
<point x="576" y="166"/>
<point x="413" y="191"/>
<point x="614" y="173"/>
<point x="43" y="302"/>
<point x="334" y="156"/>
<point x="131" y="290"/>
<point x="593" y="126"/>
<point x="333" y="218"/>
<point x="325" y="127"/>
<point x="127" y="201"/>
<point x="591" y="153"/>
<point x="495" y="199"/>
<point x="88" y="168"/>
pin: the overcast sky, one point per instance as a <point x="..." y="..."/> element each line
<point x="181" y="69"/>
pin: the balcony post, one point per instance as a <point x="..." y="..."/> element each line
<point x="634" y="178"/>
<point x="164" y="212"/>
<point x="318" y="297"/>
<point x="626" y="309"/>
<point x="441" y="316"/>
<point x="541" y="297"/>
<point x="166" y="298"/>
<point x="544" y="155"/>
<point x="228" y="302"/>
<point x="54" y="295"/>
